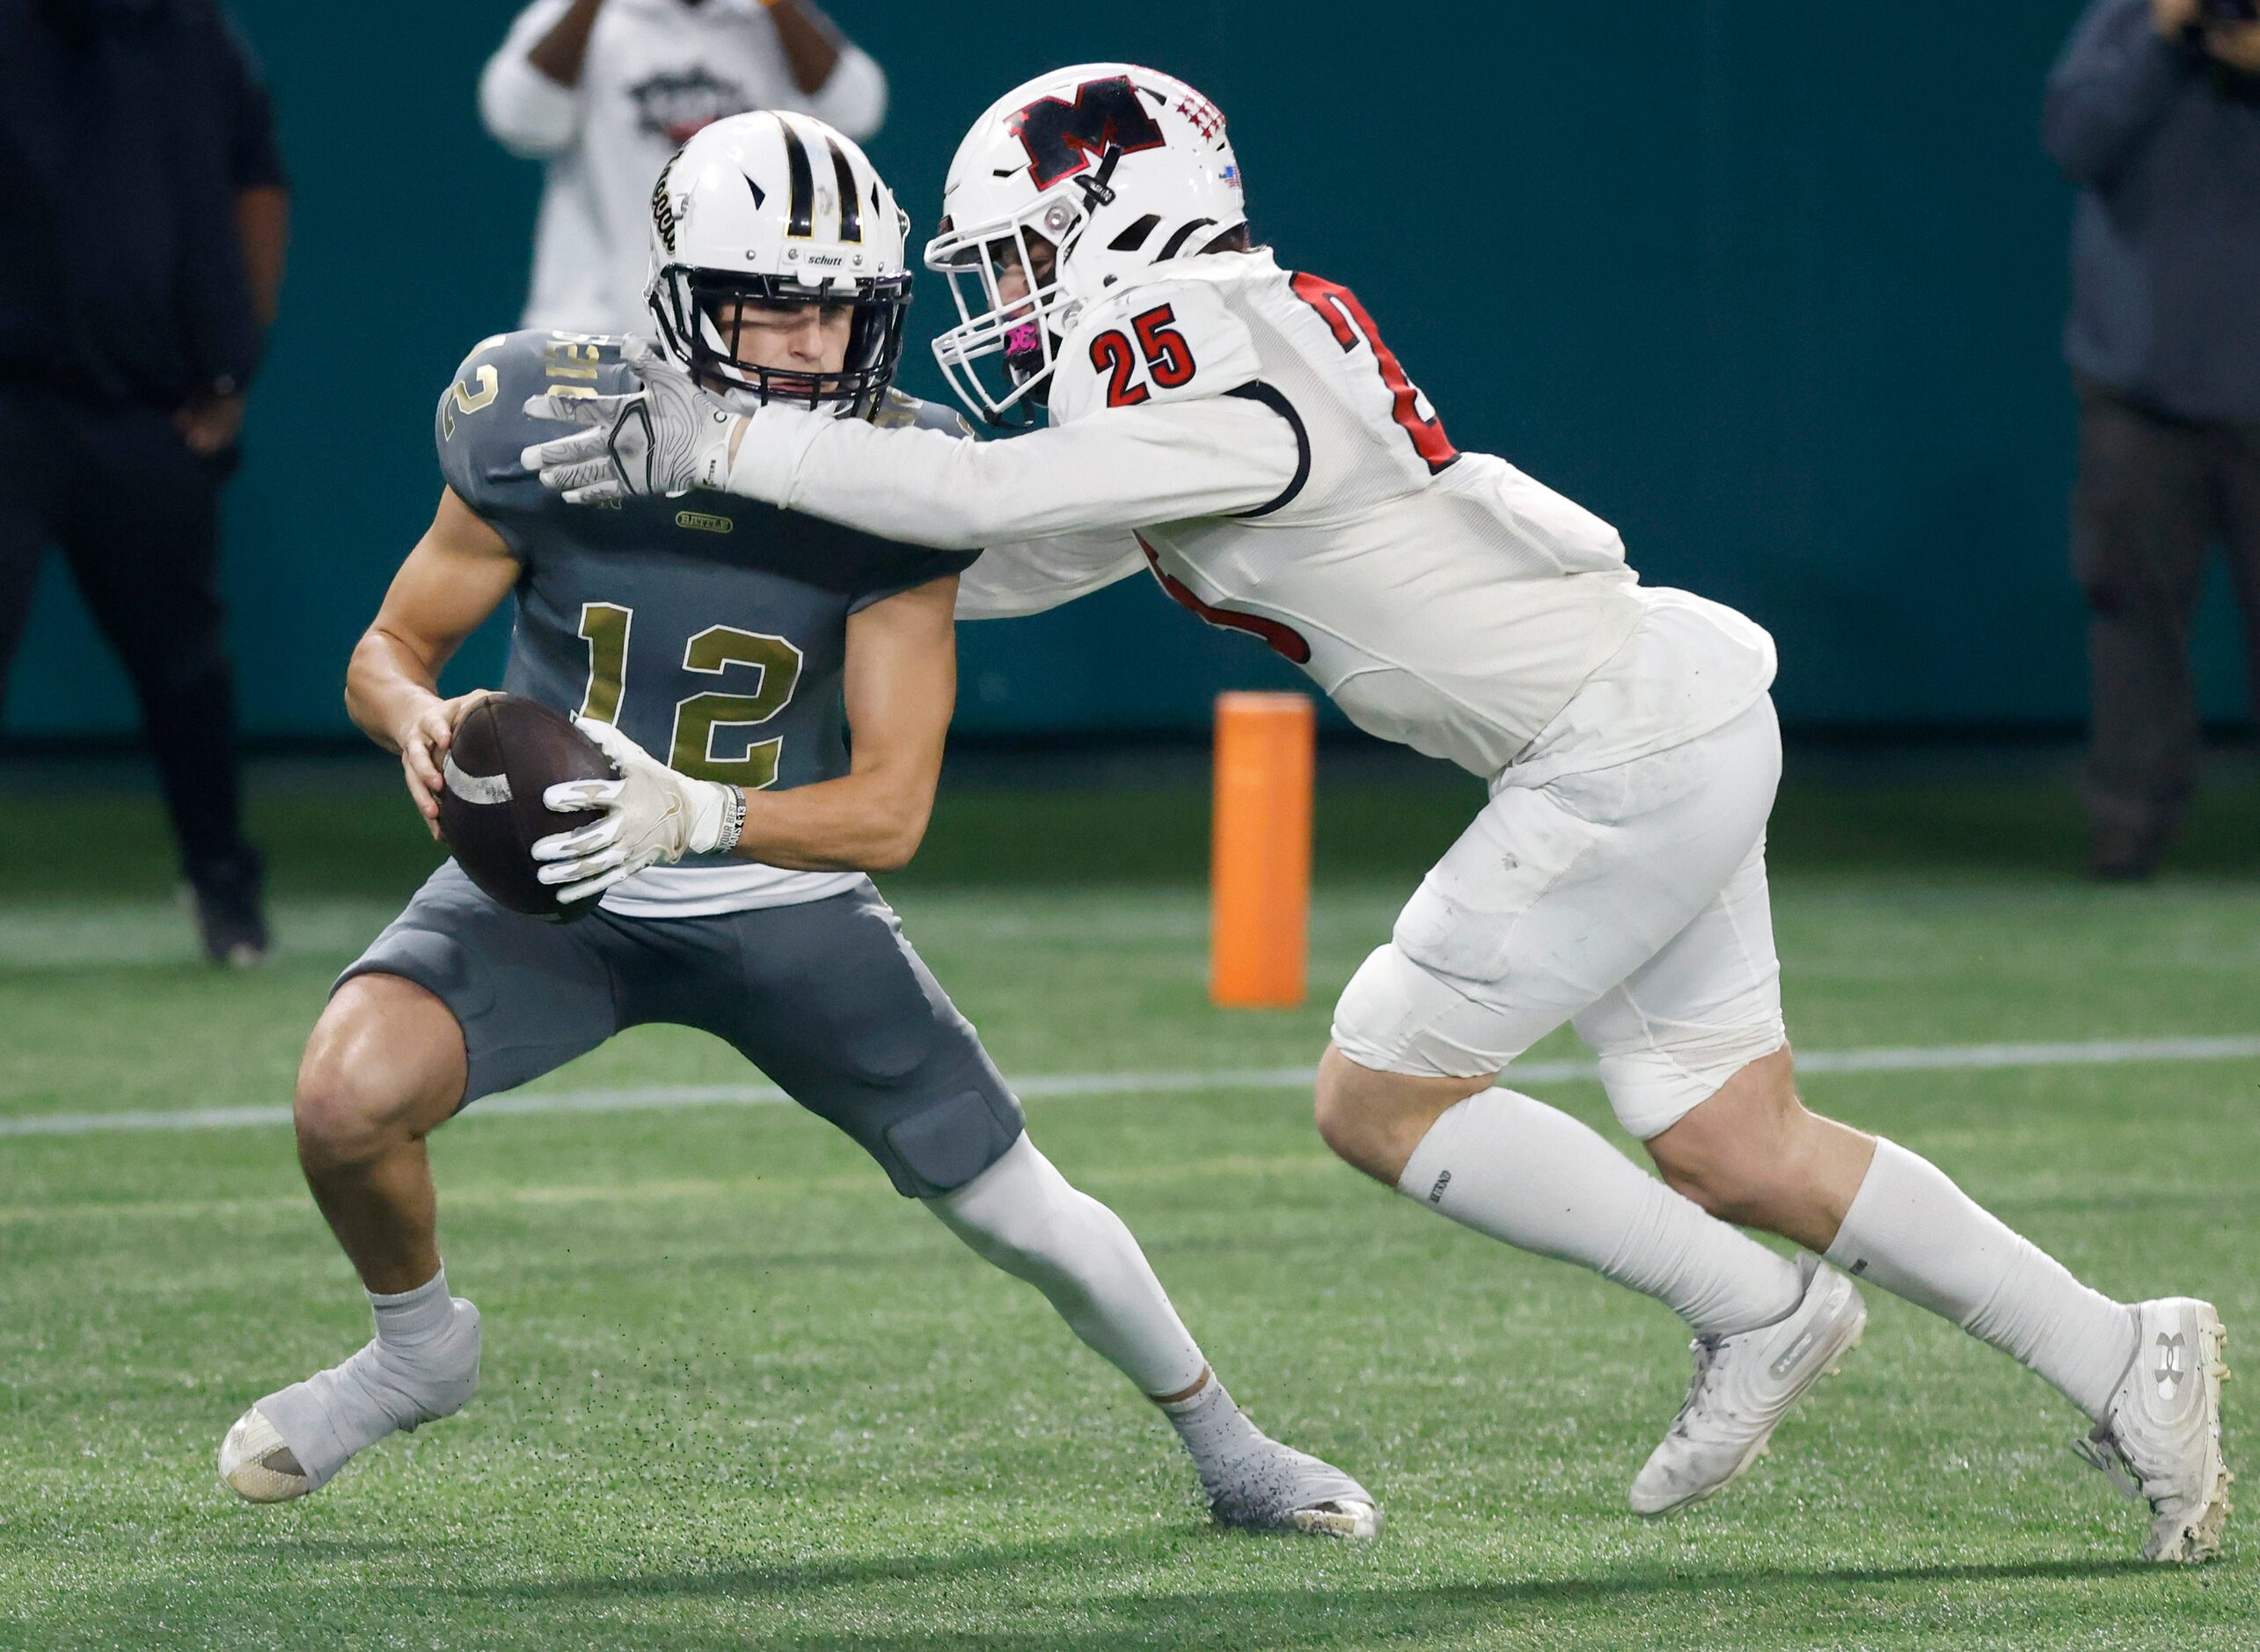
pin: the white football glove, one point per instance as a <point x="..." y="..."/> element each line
<point x="665" y="439"/>
<point x="651" y="813"/>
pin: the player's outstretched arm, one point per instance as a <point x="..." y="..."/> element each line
<point x="458" y="573"/>
<point x="1120" y="468"/>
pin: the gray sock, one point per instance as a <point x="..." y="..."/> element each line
<point x="413" y="1317"/>
<point x="422" y="1364"/>
<point x="1214" y="1429"/>
<point x="1250" y="1478"/>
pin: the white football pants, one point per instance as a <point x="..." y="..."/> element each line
<point x="1630" y="901"/>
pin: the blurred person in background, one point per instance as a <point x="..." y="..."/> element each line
<point x="2154" y="110"/>
<point x="142" y="218"/>
<point x="604" y="90"/>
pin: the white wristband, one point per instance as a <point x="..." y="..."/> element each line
<point x="716" y="815"/>
<point x="733" y="820"/>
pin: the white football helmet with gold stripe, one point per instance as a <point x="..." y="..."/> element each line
<point x="768" y="208"/>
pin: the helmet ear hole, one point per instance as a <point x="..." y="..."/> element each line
<point x="1135" y="235"/>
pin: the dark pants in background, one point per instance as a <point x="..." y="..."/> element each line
<point x="2155" y="495"/>
<point x="136" y="517"/>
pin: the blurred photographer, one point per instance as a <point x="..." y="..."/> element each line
<point x="2154" y="110"/>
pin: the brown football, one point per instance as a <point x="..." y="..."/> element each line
<point x="507" y="751"/>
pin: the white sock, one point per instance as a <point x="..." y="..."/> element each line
<point x="1021" y="1215"/>
<point x="1915" y="1233"/>
<point x="1530" y="1174"/>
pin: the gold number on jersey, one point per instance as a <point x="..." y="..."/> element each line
<point x="571" y="355"/>
<point x="604" y="627"/>
<point x="469" y="401"/>
<point x="698" y="718"/>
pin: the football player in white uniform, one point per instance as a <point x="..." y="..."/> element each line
<point x="1243" y="431"/>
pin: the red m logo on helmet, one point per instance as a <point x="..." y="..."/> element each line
<point x="1063" y="138"/>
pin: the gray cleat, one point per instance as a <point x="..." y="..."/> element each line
<point x="1274" y="1487"/>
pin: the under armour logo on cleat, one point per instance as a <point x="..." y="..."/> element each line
<point x="2170" y="1370"/>
<point x="1436" y="1194"/>
<point x="1794" y="1356"/>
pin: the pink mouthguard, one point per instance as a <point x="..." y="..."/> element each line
<point x="1021" y="340"/>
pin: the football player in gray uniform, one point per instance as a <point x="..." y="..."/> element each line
<point x="719" y="653"/>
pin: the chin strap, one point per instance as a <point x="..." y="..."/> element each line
<point x="1094" y="186"/>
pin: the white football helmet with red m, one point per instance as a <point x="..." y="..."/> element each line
<point x="1100" y="169"/>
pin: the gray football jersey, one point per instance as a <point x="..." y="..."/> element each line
<point x="712" y="629"/>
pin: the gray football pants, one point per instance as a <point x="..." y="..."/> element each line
<point x="826" y="998"/>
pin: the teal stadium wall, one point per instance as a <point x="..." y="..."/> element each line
<point x="1773" y="286"/>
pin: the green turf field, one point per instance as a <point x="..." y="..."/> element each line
<point x="738" y="1394"/>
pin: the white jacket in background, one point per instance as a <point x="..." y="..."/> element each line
<point x="656" y="71"/>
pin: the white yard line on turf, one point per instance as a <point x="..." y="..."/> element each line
<point x="1920" y="1058"/>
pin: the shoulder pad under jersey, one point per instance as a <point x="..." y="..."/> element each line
<point x="482" y="425"/>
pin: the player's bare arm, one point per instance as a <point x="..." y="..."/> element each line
<point x="458" y="574"/>
<point x="811" y="43"/>
<point x="559" y="54"/>
<point x="901" y="688"/>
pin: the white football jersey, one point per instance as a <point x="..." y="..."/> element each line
<point x="655" y="73"/>
<point x="1244" y="432"/>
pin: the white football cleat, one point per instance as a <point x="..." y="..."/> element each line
<point x="1744" y="1385"/>
<point x="2160" y="1443"/>
<point x="296" y="1439"/>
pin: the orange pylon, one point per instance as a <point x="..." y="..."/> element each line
<point x="1260" y="886"/>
